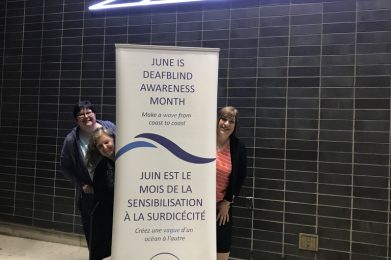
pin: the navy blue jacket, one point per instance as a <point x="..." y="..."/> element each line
<point x="72" y="162"/>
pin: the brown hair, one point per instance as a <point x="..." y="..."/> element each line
<point x="229" y="112"/>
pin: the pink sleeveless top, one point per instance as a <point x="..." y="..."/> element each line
<point x="223" y="171"/>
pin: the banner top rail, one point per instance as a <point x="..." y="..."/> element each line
<point x="162" y="47"/>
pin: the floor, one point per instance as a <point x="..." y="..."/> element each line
<point x="17" y="248"/>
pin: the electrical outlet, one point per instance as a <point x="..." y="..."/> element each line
<point x="308" y="242"/>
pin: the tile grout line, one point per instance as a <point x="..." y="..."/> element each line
<point x="353" y="135"/>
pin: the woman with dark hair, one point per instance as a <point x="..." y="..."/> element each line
<point x="101" y="152"/>
<point x="231" y="169"/>
<point x="73" y="158"/>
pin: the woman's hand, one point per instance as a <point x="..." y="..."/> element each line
<point x="222" y="212"/>
<point x="87" y="188"/>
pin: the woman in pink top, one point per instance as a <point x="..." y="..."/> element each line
<point x="231" y="167"/>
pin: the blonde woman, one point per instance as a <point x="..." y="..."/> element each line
<point x="101" y="152"/>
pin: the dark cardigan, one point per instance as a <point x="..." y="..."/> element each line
<point x="239" y="168"/>
<point x="102" y="214"/>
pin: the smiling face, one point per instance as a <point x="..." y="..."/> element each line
<point x="226" y="126"/>
<point x="105" y="146"/>
<point x="86" y="119"/>
<point x="227" y="122"/>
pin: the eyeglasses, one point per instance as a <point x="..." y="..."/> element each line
<point x="85" y="114"/>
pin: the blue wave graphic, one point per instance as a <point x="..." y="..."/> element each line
<point x="168" y="144"/>
<point x="131" y="146"/>
<point x="164" y="254"/>
<point x="175" y="149"/>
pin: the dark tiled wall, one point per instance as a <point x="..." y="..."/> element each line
<point x="310" y="77"/>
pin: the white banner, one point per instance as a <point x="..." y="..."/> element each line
<point x="165" y="196"/>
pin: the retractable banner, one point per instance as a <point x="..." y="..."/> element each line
<point x="165" y="196"/>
